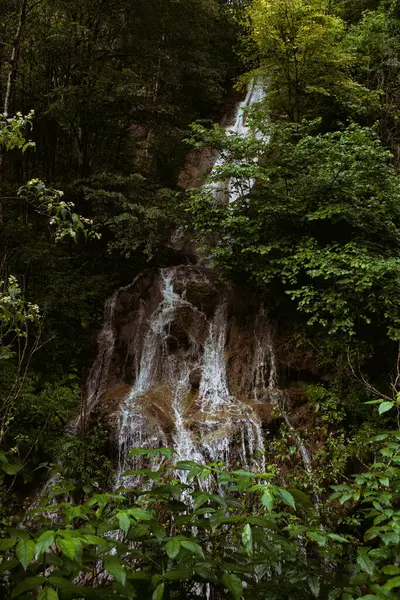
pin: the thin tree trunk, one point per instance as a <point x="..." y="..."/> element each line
<point x="12" y="74"/>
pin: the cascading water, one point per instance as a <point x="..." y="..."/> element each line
<point x="205" y="418"/>
<point x="214" y="391"/>
<point x="134" y="429"/>
<point x="98" y="375"/>
<point x="278" y="399"/>
<point x="232" y="189"/>
<point x="198" y="377"/>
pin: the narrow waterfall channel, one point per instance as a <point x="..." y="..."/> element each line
<point x="184" y="361"/>
<point x="229" y="191"/>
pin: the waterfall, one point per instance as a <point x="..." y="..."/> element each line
<point x="265" y="380"/>
<point x="255" y="93"/>
<point x="183" y="443"/>
<point x="201" y="421"/>
<point x="98" y="375"/>
<point x="229" y="191"/>
<point x="199" y="378"/>
<point x="278" y="398"/>
<point x="264" y="371"/>
<point x="214" y="391"/>
<point x="134" y="428"/>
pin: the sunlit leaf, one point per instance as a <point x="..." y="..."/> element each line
<point x="25" y="552"/>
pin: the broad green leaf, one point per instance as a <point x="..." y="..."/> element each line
<point x="7" y="544"/>
<point x="233" y="584"/>
<point x="237" y="568"/>
<point x="373" y="402"/>
<point x="316" y="536"/>
<point x="371" y="533"/>
<point x="337" y="538"/>
<point x="394" y="582"/>
<point x="31" y="583"/>
<point x="218" y="520"/>
<point x="365" y="563"/>
<point x="391" y="569"/>
<point x="387" y="451"/>
<point x="70" y="547"/>
<point x="345" y="497"/>
<point x="287" y="498"/>
<point x="140" y="514"/>
<point x="44" y="541"/>
<point x="206" y="510"/>
<point x="247" y="538"/>
<point x="262" y="522"/>
<point x="206" y="573"/>
<point x="172" y="548"/>
<point x="158" y="592"/>
<point x="8" y="565"/>
<point x="314" y="586"/>
<point x="158" y="530"/>
<point x="18" y="533"/>
<point x="124" y="521"/>
<point x="115" y="568"/>
<point x="192" y="547"/>
<point x="48" y="593"/>
<point x="11" y="468"/>
<point x="95" y="540"/>
<point x="390" y="538"/>
<point x="25" y="552"/>
<point x="200" y="499"/>
<point x="243" y="473"/>
<point x="385" y="406"/>
<point x="300" y="497"/>
<point x="267" y="500"/>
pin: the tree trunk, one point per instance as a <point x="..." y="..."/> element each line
<point x="13" y="64"/>
<point x="12" y="74"/>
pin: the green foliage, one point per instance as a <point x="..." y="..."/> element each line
<point x="137" y="214"/>
<point x="18" y="315"/>
<point x="247" y="540"/>
<point x="327" y="403"/>
<point x="83" y="459"/>
<point x="303" y="57"/>
<point x="45" y="200"/>
<point x="374" y="41"/>
<point x="34" y="417"/>
<point x="374" y="495"/>
<point x="116" y="86"/>
<point x="15" y="312"/>
<point x="166" y="536"/>
<point x="49" y="201"/>
<point x="113" y="91"/>
<point x="322" y="220"/>
<point x="12" y="132"/>
<point x="316" y="220"/>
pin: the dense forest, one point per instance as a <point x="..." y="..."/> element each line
<point x="200" y="299"/>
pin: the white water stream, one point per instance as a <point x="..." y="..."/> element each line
<point x="229" y="191"/>
<point x="208" y="424"/>
<point x="181" y="395"/>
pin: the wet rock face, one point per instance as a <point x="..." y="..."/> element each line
<point x="189" y="362"/>
<point x="186" y="360"/>
<point x="180" y="365"/>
